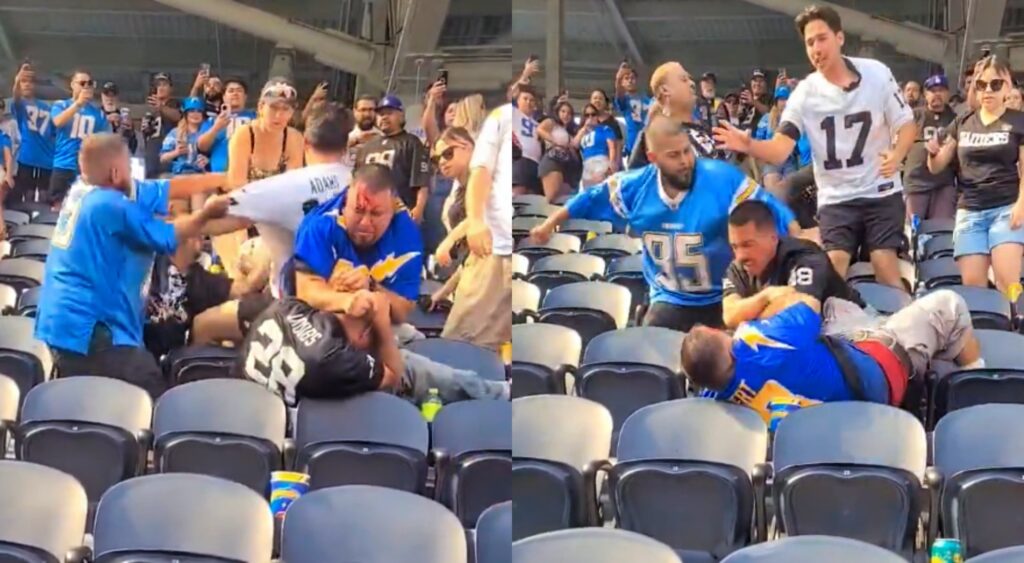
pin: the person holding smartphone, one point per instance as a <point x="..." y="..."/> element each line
<point x="74" y="119"/>
<point x="35" y="155"/>
<point x="216" y="132"/>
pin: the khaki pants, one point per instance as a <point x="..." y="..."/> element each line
<point x="482" y="312"/>
<point x="933" y="327"/>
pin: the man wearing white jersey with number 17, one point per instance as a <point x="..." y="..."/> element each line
<point x="850" y="109"/>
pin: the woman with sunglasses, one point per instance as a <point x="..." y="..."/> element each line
<point x="599" y="146"/>
<point x="452" y="153"/>
<point x="988" y="146"/>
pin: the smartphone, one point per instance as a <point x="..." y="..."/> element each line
<point x="126" y="115"/>
<point x="442" y="76"/>
<point x="204" y="68"/>
<point x="782" y="72"/>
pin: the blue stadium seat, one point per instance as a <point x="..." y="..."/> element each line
<point x="851" y="469"/>
<point x="989" y="308"/>
<point x="42" y="515"/>
<point x="370" y="525"/>
<point x="938" y="272"/>
<point x="45" y="218"/>
<point x="559" y="243"/>
<point x="23" y="358"/>
<point x="589" y="308"/>
<point x="552" y="271"/>
<point x="628" y="272"/>
<point x="493" y="538"/>
<point x="612" y="246"/>
<point x="471" y="445"/>
<point x="883" y="298"/>
<point x="542" y="355"/>
<point x="559" y="444"/>
<point x="1000" y="381"/>
<point x="591" y="545"/>
<point x="525" y="301"/>
<point x="979" y="458"/>
<point x="21" y="273"/>
<point x="196" y="363"/>
<point x="33" y="249"/>
<point x="688" y="486"/>
<point x="461" y="355"/>
<point x="370" y="439"/>
<point x="228" y="428"/>
<point x="813" y="549"/>
<point x="182" y="517"/>
<point x="938" y="246"/>
<point x="28" y="302"/>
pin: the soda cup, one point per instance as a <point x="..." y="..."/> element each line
<point x="779" y="409"/>
<point x="285" y="487"/>
<point x="947" y="550"/>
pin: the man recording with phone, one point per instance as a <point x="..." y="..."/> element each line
<point x="435" y="102"/>
<point x="216" y="131"/>
<point x="35" y="155"/>
<point x="74" y="119"/>
<point x="162" y="117"/>
<point x="210" y="89"/>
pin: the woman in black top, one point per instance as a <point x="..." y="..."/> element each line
<point x="987" y="145"/>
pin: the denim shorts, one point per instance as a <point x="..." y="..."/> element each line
<point x="978" y="232"/>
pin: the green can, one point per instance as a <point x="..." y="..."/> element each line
<point x="947" y="550"/>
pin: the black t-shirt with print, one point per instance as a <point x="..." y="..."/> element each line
<point x="987" y="157"/>
<point x="917" y="178"/>
<point x="174" y="301"/>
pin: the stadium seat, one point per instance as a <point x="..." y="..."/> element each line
<point x="978" y="455"/>
<point x="559" y="444"/>
<point x="45" y="218"/>
<point x="370" y="525"/>
<point x="936" y="227"/>
<point x="589" y="308"/>
<point x="42" y="515"/>
<point x="542" y="355"/>
<point x="883" y="298"/>
<point x="561" y="269"/>
<point x="693" y="488"/>
<point x="613" y="245"/>
<point x="521" y="226"/>
<point x="938" y="272"/>
<point x="96" y="429"/>
<point x="938" y="246"/>
<point x="1000" y="381"/>
<point x="591" y="545"/>
<point x="14" y="218"/>
<point x="196" y="363"/>
<point x="8" y="299"/>
<point x="813" y="549"/>
<point x="30" y="208"/>
<point x="989" y="308"/>
<point x="430" y="323"/>
<point x="228" y="428"/>
<point x="34" y="249"/>
<point x="28" y="302"/>
<point x="524" y="200"/>
<point x="626" y="370"/>
<point x="520" y="266"/>
<point x="370" y="439"/>
<point x="585" y="228"/>
<point x="10" y="398"/>
<point x="493" y="538"/>
<point x="21" y="273"/>
<point x="629" y="273"/>
<point x="461" y="355"/>
<point x="537" y="209"/>
<point x="525" y="301"/>
<point x="471" y="445"/>
<point x="23" y="358"/>
<point x="30" y="231"/>
<point x="1005" y="555"/>
<point x="182" y="517"/>
<point x="559" y="243"/>
<point x="851" y="469"/>
<point x="865" y="272"/>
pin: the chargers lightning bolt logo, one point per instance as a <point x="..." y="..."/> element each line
<point x="749" y="335"/>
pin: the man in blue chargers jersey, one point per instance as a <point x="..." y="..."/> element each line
<point x="362" y="239"/>
<point x="631" y="105"/>
<point x="217" y="131"/>
<point x="93" y="294"/>
<point x="680" y="206"/>
<point x="73" y="120"/>
<point x="35" y="156"/>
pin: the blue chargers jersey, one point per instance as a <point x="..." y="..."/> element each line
<point x="36" y="131"/>
<point x="219" y="149"/>
<point x="395" y="262"/>
<point x="633" y="108"/>
<point x="89" y="119"/>
<point x="686" y="243"/>
<point x="595" y="143"/>
<point x="784" y="358"/>
<point x="186" y="163"/>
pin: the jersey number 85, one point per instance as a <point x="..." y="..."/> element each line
<point x="674" y="251"/>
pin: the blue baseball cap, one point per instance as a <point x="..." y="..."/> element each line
<point x="938" y="80"/>
<point x="193" y="104"/>
<point x="390" y="102"/>
<point x="782" y="93"/>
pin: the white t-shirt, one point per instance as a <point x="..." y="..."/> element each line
<point x="848" y="130"/>
<point x="494" y="152"/>
<point x="526" y="132"/>
<point x="350" y="158"/>
<point x="277" y="205"/>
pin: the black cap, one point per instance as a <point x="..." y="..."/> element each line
<point x="162" y="76"/>
<point x="109" y="88"/>
<point x="757" y="73"/>
<point x="709" y="76"/>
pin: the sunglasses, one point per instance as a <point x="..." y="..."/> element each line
<point x="589" y="115"/>
<point x="279" y="90"/>
<point x="994" y="85"/>
<point x="446" y="155"/>
<point x="86" y="83"/>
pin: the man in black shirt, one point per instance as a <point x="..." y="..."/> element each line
<point x="767" y="266"/>
<point x="930" y="196"/>
<point x="400" y="151"/>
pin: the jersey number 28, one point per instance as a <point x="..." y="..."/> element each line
<point x="272" y="363"/>
<point x="680" y="250"/>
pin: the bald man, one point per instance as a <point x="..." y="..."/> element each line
<point x="91" y="306"/>
<point x="675" y="98"/>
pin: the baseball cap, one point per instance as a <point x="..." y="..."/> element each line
<point x="193" y="104"/>
<point x="758" y="73"/>
<point x="277" y="90"/>
<point x="709" y="76"/>
<point x="734" y="95"/>
<point x="109" y="88"/>
<point x="390" y="102"/>
<point x="936" y="81"/>
<point x="162" y="76"/>
<point x="782" y="93"/>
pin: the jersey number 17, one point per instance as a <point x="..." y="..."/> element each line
<point x="862" y="118"/>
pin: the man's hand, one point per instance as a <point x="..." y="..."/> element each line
<point x="351" y="279"/>
<point x="84" y="97"/>
<point x="781" y="78"/>
<point x="363" y="304"/>
<point x="26" y="72"/>
<point x="319" y="93"/>
<point x="202" y="161"/>
<point x="542" y="233"/>
<point x="216" y="206"/>
<point x="200" y="82"/>
<point x="890" y="164"/>
<point x="746" y="97"/>
<point x="223" y="119"/>
<point x="775" y="292"/>
<point x="381" y="313"/>
<point x="478" y="235"/>
<point x="730" y="138"/>
<point x="443" y="254"/>
<point x="437" y="91"/>
<point x="154" y="101"/>
<point x="531" y="68"/>
<point x="417" y="214"/>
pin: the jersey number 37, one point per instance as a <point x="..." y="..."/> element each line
<point x="272" y="363"/>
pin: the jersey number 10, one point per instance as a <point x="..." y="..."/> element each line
<point x="679" y="250"/>
<point x="268" y="362"/>
<point x="829" y="125"/>
<point x="82" y="126"/>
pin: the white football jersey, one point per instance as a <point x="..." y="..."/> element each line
<point x="525" y="130"/>
<point x="848" y="130"/>
<point x="493" y="151"/>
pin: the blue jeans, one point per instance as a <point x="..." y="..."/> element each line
<point x="978" y="232"/>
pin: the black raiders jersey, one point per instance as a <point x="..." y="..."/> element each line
<point x="700" y="138"/>
<point x="407" y="158"/>
<point x="297" y="352"/>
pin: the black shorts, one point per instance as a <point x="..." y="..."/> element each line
<point x="251" y="306"/>
<point x="570" y="167"/>
<point x="682" y="318"/>
<point x="524" y="173"/>
<point x="868" y="223"/>
<point x="28" y="181"/>
<point x="60" y="183"/>
<point x="127" y="363"/>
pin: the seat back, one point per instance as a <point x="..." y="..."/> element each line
<point x="559" y="243"/>
<point x="520" y="265"/>
<point x="813" y="549"/>
<point x="684" y="486"/>
<point x="976" y="450"/>
<point x="541" y="356"/>
<point x="628" y="272"/>
<point x="850" y="469"/>
<point x="369" y="439"/>
<point x="378" y="525"/>
<point x="493" y="540"/>
<point x="228" y="428"/>
<point x="938" y="272"/>
<point x="585" y="228"/>
<point x="461" y="355"/>
<point x="13" y="218"/>
<point x="1005" y="555"/>
<point x="1000" y="381"/>
<point x="883" y="298"/>
<point x="46" y="217"/>
<point x="23" y="358"/>
<point x="30" y="231"/>
<point x="525" y="300"/>
<point x="938" y="246"/>
<point x="21" y="273"/>
<point x="989" y="308"/>
<point x="28" y="302"/>
<point x="94" y="428"/>
<point x="43" y="513"/>
<point x="521" y="226"/>
<point x="10" y="398"/>
<point x="561" y="269"/>
<point x="476" y="437"/>
<point x="536" y="209"/>
<point x="185" y="515"/>
<point x="589" y="308"/>
<point x="614" y="245"/>
<point x="8" y="299"/>
<point x="591" y="545"/>
<point x="33" y="249"/>
<point x="196" y="363"/>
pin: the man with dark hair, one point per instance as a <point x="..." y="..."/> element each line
<point x="912" y="93"/>
<point x="400" y="152"/>
<point x="930" y="196"/>
<point x="768" y="266"/>
<point x="365" y="112"/>
<point x="35" y="155"/>
<point x="216" y="132"/>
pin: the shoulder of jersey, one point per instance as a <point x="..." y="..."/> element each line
<point x="715" y="166"/>
<point x="871" y="68"/>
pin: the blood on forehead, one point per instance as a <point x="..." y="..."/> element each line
<point x="365" y="200"/>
